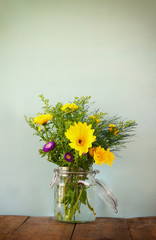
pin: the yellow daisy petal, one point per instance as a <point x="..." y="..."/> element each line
<point x="81" y="137"/>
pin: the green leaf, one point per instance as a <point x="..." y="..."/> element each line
<point x="83" y="197"/>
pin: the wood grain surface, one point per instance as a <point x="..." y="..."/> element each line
<point x="47" y="228"/>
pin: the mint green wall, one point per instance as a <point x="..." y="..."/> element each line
<point x="106" y="49"/>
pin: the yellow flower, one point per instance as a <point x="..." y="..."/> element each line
<point x="113" y="128"/>
<point x="102" y="156"/>
<point x="81" y="137"/>
<point x="97" y="120"/>
<point x="42" y="119"/>
<point x="71" y="106"/>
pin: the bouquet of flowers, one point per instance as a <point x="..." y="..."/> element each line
<point x="74" y="137"/>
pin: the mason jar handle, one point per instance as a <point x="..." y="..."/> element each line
<point x="54" y="178"/>
<point x="106" y="195"/>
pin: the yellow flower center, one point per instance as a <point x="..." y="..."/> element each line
<point x="80" y="142"/>
<point x="48" y="145"/>
<point x="67" y="156"/>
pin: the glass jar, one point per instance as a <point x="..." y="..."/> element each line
<point x="75" y="193"/>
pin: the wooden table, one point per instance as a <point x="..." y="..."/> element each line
<point x="45" y="228"/>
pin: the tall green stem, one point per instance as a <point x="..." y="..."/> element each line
<point x="92" y="209"/>
<point x="71" y="215"/>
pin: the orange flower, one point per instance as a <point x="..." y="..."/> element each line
<point x="102" y="156"/>
<point x="113" y="128"/>
<point x="91" y="151"/>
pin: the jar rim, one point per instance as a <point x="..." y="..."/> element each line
<point x="75" y="170"/>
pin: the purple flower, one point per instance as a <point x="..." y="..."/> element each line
<point x="49" y="146"/>
<point x="84" y="153"/>
<point x="68" y="157"/>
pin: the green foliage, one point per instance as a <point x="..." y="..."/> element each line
<point x="54" y="130"/>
